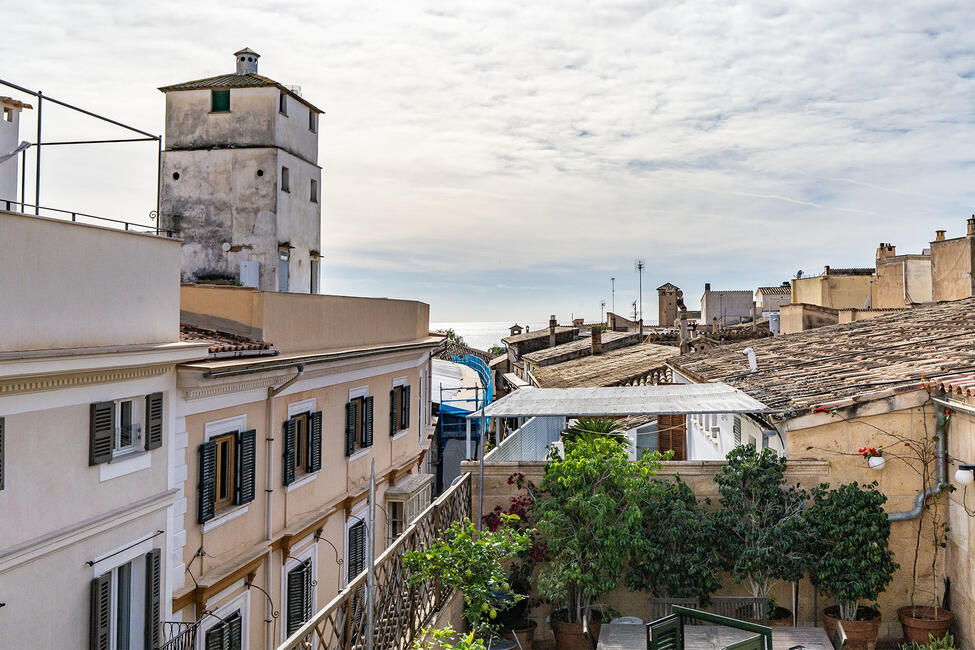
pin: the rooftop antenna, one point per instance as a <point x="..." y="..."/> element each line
<point x="602" y="309"/>
<point x="639" y="264"/>
<point x="613" y="290"/>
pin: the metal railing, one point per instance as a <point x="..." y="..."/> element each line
<point x="401" y="609"/>
<point x="179" y="636"/>
<point x="18" y="206"/>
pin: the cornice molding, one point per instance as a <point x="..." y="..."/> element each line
<point x="41" y="383"/>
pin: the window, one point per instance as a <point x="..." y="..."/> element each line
<point x="397" y="523"/>
<point x="302" y="445"/>
<point x="227" y="471"/>
<point x="219" y="101"/>
<point x="313" y="194"/>
<point x="285" y="180"/>
<point x="316" y="269"/>
<point x="8" y="115"/>
<point x="399" y="409"/>
<point x="225" y="635"/>
<point x="125" y="605"/>
<point x="128" y="433"/>
<point x="284" y="259"/>
<point x="283" y="104"/>
<point x="116" y="427"/>
<point x="737" y="431"/>
<point x="357" y="550"/>
<point x="358" y="424"/>
<point x="299" y="602"/>
<point x="312" y="121"/>
<point x="405" y="500"/>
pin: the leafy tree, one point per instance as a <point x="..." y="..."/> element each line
<point x="675" y="553"/>
<point x="472" y="561"/>
<point x="497" y="350"/>
<point x="444" y="639"/>
<point x="761" y="520"/>
<point x="849" y="555"/>
<point x="589" y="428"/>
<point x="452" y="336"/>
<point x="588" y="513"/>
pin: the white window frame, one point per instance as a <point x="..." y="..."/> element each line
<point x="363" y="392"/>
<point x="308" y="552"/>
<point x="110" y="563"/>
<point x="357" y="515"/>
<point x="138" y="417"/>
<point x="304" y="406"/>
<point x="241" y="602"/>
<point x="397" y="382"/>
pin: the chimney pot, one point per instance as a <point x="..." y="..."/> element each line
<point x="597" y="340"/>
<point x="971" y="226"/>
<point x="939" y="235"/>
<point x="707" y="286"/>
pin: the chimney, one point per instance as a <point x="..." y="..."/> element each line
<point x="684" y="337"/>
<point x="707" y="286"/>
<point x="885" y="250"/>
<point x="246" y="61"/>
<point x="551" y="331"/>
<point x="597" y="340"/>
<point x="754" y="318"/>
<point x="939" y="235"/>
<point x="971" y="226"/>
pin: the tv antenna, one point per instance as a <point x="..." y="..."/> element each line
<point x="639" y="264"/>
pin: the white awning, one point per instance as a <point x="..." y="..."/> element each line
<point x="624" y="400"/>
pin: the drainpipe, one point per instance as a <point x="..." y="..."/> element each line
<point x="272" y="392"/>
<point x="940" y="470"/>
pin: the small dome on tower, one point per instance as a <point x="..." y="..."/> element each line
<point x="246" y="61"/>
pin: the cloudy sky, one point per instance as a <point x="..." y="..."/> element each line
<point x="502" y="160"/>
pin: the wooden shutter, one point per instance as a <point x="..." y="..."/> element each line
<point x="405" y="409"/>
<point x="234" y="631"/>
<point x="102" y="432"/>
<point x="101" y="613"/>
<point x="246" y="462"/>
<point x="2" y="448"/>
<point x="350" y="420"/>
<point x="315" y="441"/>
<point x="208" y="481"/>
<point x="367" y="423"/>
<point x="154" y="421"/>
<point x="737" y="430"/>
<point x="393" y="411"/>
<point x="215" y="637"/>
<point x="666" y="633"/>
<point x="153" y="622"/>
<point x="671" y="435"/>
<point x="290" y="428"/>
<point x="299" y="596"/>
<point x="357" y="549"/>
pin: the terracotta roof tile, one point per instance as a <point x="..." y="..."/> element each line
<point x="220" y="341"/>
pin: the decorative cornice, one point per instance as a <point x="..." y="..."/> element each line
<point x="40" y="383"/>
<point x="201" y="392"/>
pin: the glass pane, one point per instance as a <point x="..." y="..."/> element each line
<point x="125" y="424"/>
<point x="223" y="458"/>
<point x="123" y="606"/>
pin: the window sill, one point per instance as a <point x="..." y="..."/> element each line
<point x="362" y="453"/>
<point x="219" y="112"/>
<point x="400" y="434"/>
<point x="224" y="517"/>
<point x="134" y="461"/>
<point x="304" y="480"/>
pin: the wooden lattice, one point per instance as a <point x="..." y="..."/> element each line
<point x="400" y="609"/>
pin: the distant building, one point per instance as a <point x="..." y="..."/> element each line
<point x="952" y="265"/>
<point x="668" y="296"/>
<point x="836" y="288"/>
<point x="521" y="344"/>
<point x="729" y="307"/>
<point x="240" y="181"/>
<point x="901" y="280"/>
<point x="9" y="143"/>
<point x="770" y="299"/>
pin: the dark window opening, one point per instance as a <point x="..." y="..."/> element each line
<point x="219" y="101"/>
<point x="226" y="462"/>
<point x="285" y="180"/>
<point x="175" y="176"/>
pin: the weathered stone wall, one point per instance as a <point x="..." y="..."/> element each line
<point x="951" y="269"/>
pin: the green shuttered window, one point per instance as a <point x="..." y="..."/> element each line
<point x="219" y="101"/>
<point x="117" y="606"/>
<point x="290" y="451"/>
<point x="154" y="421"/>
<point x="315" y="442"/>
<point x="102" y="434"/>
<point x="226" y="635"/>
<point x="359" y="413"/>
<point x="357" y="549"/>
<point x="238" y="461"/>
<point x="299" y="596"/>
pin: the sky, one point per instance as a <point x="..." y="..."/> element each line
<point x="502" y="160"/>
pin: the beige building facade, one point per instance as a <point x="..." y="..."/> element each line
<point x="952" y="265"/>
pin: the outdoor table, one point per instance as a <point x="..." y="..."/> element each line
<point x="627" y="636"/>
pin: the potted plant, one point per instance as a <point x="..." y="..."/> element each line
<point x="761" y="524"/>
<point x="849" y="557"/>
<point x="874" y="456"/>
<point x="516" y="622"/>
<point x="675" y="553"/>
<point x="588" y="514"/>
<point x="472" y="561"/>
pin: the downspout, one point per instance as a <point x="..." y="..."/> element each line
<point x="272" y="392"/>
<point x="940" y="469"/>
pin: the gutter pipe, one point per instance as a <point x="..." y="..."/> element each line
<point x="940" y="469"/>
<point x="272" y="392"/>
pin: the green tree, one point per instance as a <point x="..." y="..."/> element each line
<point x="588" y="513"/>
<point x="589" y="428"/>
<point x="452" y="336"/>
<point x="675" y="553"/>
<point x="761" y="520"/>
<point x="497" y="350"/>
<point x="849" y="554"/>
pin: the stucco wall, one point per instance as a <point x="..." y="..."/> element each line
<point x="961" y="538"/>
<point x="951" y="269"/>
<point x="9" y="139"/>
<point x="835" y="291"/>
<point x="250" y="121"/>
<point x="889" y="288"/>
<point x="292" y="133"/>
<point x="727" y="306"/>
<point x="92" y="286"/>
<point x="797" y="317"/>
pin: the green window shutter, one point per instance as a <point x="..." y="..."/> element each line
<point x="393" y="412"/>
<point x="666" y="634"/>
<point x="101" y="613"/>
<point x="315" y="441"/>
<point x="290" y="428"/>
<point x="215" y="637"/>
<point x="208" y="481"/>
<point x="737" y="430"/>
<point x="153" y="621"/>
<point x="2" y="449"/>
<point x="367" y="423"/>
<point x="154" y="421"/>
<point x="299" y="596"/>
<point x="405" y="409"/>
<point x="246" y="462"/>
<point x="102" y="432"/>
<point x="234" y="631"/>
<point x="357" y="550"/>
<point x="219" y="101"/>
<point x="350" y="420"/>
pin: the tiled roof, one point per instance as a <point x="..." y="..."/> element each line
<point x="668" y="287"/>
<point x="963" y="384"/>
<point x="775" y="291"/>
<point x="578" y="345"/>
<point x="15" y="103"/>
<point x="839" y="364"/>
<point x="449" y="349"/>
<point x="528" y="336"/>
<point x="220" y="341"/>
<point x="607" y="369"/>
<point x="236" y="81"/>
<point x="863" y="270"/>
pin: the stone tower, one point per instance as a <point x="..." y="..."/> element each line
<point x="240" y="182"/>
<point x="667" y="298"/>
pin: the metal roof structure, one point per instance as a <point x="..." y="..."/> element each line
<point x="624" y="400"/>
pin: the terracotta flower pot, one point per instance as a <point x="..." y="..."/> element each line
<point x="524" y="637"/>
<point x="918" y="622"/>
<point x="569" y="636"/>
<point x="860" y="633"/>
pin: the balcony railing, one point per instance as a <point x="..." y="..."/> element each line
<point x="401" y="609"/>
<point x="179" y="636"/>
<point x="57" y="213"/>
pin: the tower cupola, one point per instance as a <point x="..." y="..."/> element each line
<point x="246" y="61"/>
